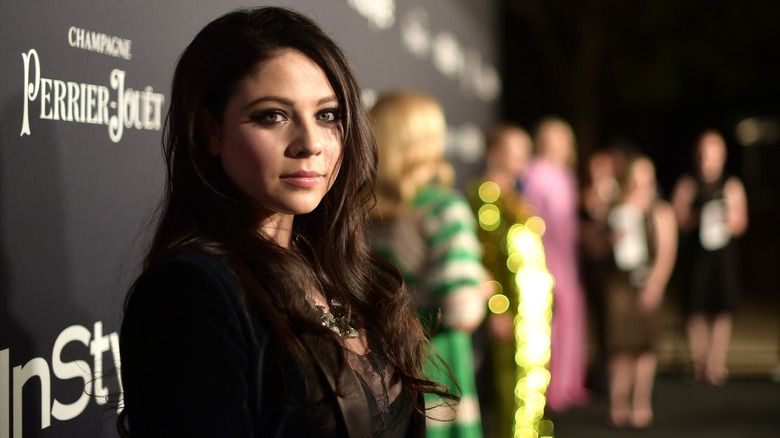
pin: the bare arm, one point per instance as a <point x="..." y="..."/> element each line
<point x="736" y="199"/>
<point x="666" y="255"/>
<point x="683" y="196"/>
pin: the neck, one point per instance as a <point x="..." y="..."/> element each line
<point x="643" y="201"/>
<point x="710" y="177"/>
<point x="278" y="228"/>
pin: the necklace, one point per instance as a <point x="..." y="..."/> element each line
<point x="335" y="320"/>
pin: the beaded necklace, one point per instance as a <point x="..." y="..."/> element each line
<point x="336" y="320"/>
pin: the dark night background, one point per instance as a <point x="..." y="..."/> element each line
<point x="656" y="73"/>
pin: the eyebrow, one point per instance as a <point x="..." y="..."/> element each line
<point x="287" y="102"/>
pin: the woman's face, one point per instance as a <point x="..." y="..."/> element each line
<point x="279" y="140"/>
<point x="557" y="143"/>
<point x="712" y="156"/>
<point x="514" y="152"/>
<point x="642" y="178"/>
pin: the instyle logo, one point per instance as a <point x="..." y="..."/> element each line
<point x="117" y="107"/>
<point x="38" y="371"/>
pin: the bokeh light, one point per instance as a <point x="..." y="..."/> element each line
<point x="526" y="261"/>
<point x="532" y="325"/>
<point x="489" y="192"/>
<point x="489" y="217"/>
<point x="498" y="303"/>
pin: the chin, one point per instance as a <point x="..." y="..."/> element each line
<point x="303" y="209"/>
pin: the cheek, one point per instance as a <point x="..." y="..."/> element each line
<point x="335" y="152"/>
<point x="245" y="158"/>
<point x="333" y="148"/>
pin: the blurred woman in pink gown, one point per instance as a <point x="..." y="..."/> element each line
<point x="550" y="185"/>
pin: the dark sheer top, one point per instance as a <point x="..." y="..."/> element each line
<point x="389" y="407"/>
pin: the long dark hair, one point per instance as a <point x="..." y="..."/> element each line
<point x="202" y="210"/>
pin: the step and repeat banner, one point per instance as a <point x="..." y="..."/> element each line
<point x="83" y="98"/>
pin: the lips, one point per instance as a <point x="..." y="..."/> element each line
<point x="303" y="178"/>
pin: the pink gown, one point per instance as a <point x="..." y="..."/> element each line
<point x="552" y="189"/>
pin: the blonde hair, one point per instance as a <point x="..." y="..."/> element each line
<point x="411" y="132"/>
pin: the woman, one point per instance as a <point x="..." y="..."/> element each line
<point x="428" y="230"/>
<point x="711" y="209"/>
<point x="261" y="310"/>
<point x="599" y="193"/>
<point x="644" y="235"/>
<point x="550" y="185"/>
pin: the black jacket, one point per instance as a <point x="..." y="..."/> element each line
<point x="197" y="362"/>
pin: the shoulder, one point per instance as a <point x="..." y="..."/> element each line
<point x="185" y="304"/>
<point x="186" y="336"/>
<point x="187" y="264"/>
<point x="182" y="285"/>
<point x="733" y="183"/>
<point x="441" y="206"/>
<point x="685" y="188"/>
<point x="663" y="212"/>
<point x="439" y="198"/>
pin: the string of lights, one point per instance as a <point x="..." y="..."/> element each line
<point x="533" y="285"/>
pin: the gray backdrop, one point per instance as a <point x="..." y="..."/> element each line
<point x="80" y="180"/>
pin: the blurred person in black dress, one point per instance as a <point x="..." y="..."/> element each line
<point x="711" y="208"/>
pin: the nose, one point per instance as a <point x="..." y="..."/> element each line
<point x="307" y="141"/>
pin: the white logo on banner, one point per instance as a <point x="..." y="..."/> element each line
<point x="79" y="102"/>
<point x="449" y="56"/>
<point x="379" y="13"/>
<point x="100" y="43"/>
<point x="12" y="381"/>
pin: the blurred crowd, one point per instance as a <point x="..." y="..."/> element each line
<point x="612" y="243"/>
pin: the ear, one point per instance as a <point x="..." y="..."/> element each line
<point x="209" y="131"/>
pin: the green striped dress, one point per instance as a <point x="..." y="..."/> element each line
<point x="437" y="250"/>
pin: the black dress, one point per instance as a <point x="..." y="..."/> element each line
<point x="708" y="258"/>
<point x="197" y="361"/>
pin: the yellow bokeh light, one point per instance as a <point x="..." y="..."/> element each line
<point x="537" y="225"/>
<point x="534" y="281"/>
<point x="514" y="262"/>
<point x="526" y="211"/>
<point x="546" y="428"/>
<point x="489" y="192"/>
<point x="535" y="402"/>
<point x="538" y="379"/>
<point x="527" y="243"/>
<point x="532" y="322"/>
<point x="498" y="304"/>
<point x="489" y="217"/>
<point x="513" y="230"/>
<point x="495" y="287"/>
